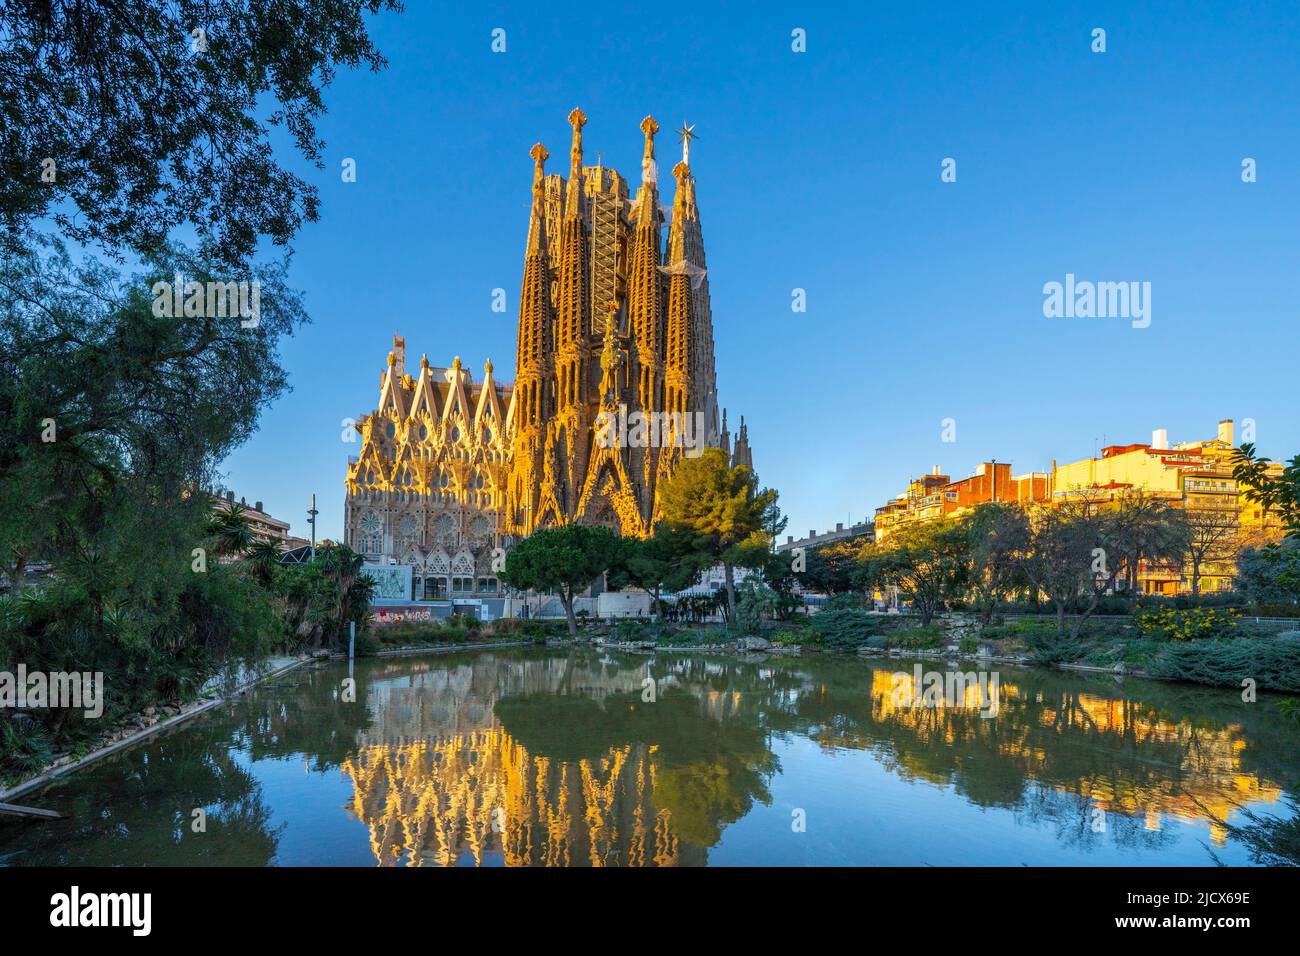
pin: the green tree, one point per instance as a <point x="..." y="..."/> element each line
<point x="262" y="561"/>
<point x="1278" y="493"/>
<point x="997" y="534"/>
<point x="148" y="125"/>
<point x="833" y="568"/>
<point x="927" y="561"/>
<point x="231" y="533"/>
<point x="654" y="564"/>
<point x="757" y="601"/>
<point x="1212" y="535"/>
<point x="1142" y="527"/>
<point x="1071" y="558"/>
<point x="563" y="560"/>
<point x="719" y="515"/>
<point x="1271" y="574"/>
<point x="779" y="575"/>
<point x="108" y="410"/>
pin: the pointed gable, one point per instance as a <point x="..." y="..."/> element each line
<point x="456" y="407"/>
<point x="391" y="395"/>
<point x="425" y="400"/>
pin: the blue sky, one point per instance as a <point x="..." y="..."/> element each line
<point x="821" y="171"/>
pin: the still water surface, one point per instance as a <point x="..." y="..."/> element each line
<point x="551" y="757"/>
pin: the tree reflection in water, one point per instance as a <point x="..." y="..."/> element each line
<point x="544" y="757"/>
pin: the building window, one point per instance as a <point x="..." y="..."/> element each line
<point x="462" y="585"/>
<point x="487" y="584"/>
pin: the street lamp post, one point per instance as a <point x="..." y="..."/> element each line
<point x="311" y="520"/>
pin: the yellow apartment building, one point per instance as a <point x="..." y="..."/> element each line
<point x="1196" y="475"/>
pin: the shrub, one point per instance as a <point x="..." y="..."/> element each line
<point x="1138" y="654"/>
<point x="534" y="631"/>
<point x="628" y="630"/>
<point x="1276" y="610"/>
<point x="792" y="637"/>
<point x="367" y="644"/>
<point x="1028" y="630"/>
<point x="968" y="645"/>
<point x="1273" y="663"/>
<point x="25" y="748"/>
<point x="681" y="637"/>
<point x="844" y="629"/>
<point x="1191" y="624"/>
<point x="917" y="638"/>
<point x="1063" y="650"/>
<point x="877" y="642"/>
<point x="848" y="601"/>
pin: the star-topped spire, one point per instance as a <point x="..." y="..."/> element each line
<point x="686" y="134"/>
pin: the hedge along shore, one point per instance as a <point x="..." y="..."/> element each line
<point x="411" y="649"/>
<point x="67" y="764"/>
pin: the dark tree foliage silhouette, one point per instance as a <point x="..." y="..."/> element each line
<point x="119" y="122"/>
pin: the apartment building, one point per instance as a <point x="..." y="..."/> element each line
<point x="1195" y="475"/>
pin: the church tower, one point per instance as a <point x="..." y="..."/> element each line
<point x="530" y="407"/>
<point x="686" y="257"/>
<point x="646" y="294"/>
<point x="614" y="387"/>
<point x="682" y="427"/>
<point x="568" y="434"/>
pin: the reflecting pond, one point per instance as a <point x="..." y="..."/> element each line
<point x="584" y="757"/>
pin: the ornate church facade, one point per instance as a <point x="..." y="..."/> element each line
<point x="614" y="385"/>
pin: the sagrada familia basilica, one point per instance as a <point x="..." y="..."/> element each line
<point x="614" y="384"/>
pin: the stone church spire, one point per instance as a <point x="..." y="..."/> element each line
<point x="646" y="303"/>
<point x="742" y="455"/>
<point x="686" y="259"/>
<point x="574" y="301"/>
<point x="680" y="366"/>
<point x="534" y="364"/>
<point x="536" y="322"/>
<point x="682" y="428"/>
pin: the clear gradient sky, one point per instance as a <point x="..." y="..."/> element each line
<point x="821" y="171"/>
